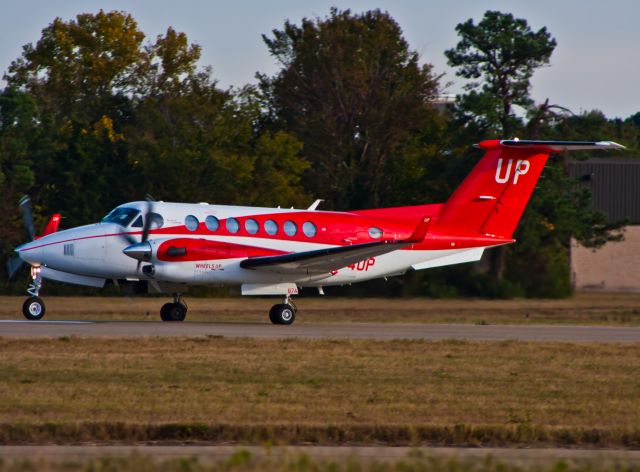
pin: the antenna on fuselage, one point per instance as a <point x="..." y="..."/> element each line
<point x="315" y="204"/>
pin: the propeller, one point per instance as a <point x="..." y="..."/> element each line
<point x="15" y="263"/>
<point x="147" y="220"/>
<point x="27" y="216"/>
<point x="146" y="225"/>
<point x="145" y="230"/>
<point x="142" y="250"/>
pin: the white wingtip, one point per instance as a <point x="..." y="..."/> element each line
<point x="610" y="145"/>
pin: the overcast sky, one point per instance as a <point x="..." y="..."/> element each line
<point x="596" y="64"/>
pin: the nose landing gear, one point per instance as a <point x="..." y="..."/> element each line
<point x="283" y="313"/>
<point x="176" y="311"/>
<point x="33" y="307"/>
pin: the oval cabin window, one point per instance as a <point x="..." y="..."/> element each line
<point x="212" y="223"/>
<point x="232" y="225"/>
<point x="290" y="228"/>
<point x="251" y="226"/>
<point x="191" y="222"/>
<point x="271" y="227"/>
<point x="375" y="233"/>
<point x="309" y="229"/>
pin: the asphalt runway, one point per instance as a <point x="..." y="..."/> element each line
<point x="379" y="331"/>
<point x="212" y="454"/>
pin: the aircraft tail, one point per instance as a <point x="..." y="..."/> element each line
<point x="52" y="226"/>
<point x="492" y="198"/>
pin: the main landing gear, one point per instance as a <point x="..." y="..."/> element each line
<point x="33" y="307"/>
<point x="283" y="313"/>
<point x="176" y="311"/>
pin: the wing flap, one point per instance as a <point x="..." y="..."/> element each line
<point x="321" y="261"/>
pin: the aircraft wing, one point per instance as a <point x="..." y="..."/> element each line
<point x="320" y="261"/>
<point x="323" y="261"/>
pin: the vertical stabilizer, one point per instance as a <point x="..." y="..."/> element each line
<point x="492" y="198"/>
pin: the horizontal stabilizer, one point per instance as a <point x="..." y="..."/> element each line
<point x="469" y="255"/>
<point x="550" y="146"/>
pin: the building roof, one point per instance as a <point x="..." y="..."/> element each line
<point x="614" y="183"/>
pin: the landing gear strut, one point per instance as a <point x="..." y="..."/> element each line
<point x="176" y="311"/>
<point x="283" y="313"/>
<point x="33" y="307"/>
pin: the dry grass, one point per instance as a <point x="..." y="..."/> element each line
<point x="319" y="391"/>
<point x="584" y="308"/>
<point x="243" y="460"/>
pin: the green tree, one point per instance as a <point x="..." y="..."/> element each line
<point x="352" y="91"/>
<point x="81" y="75"/>
<point x="194" y="142"/>
<point x="19" y="139"/>
<point x="503" y="52"/>
<point x="83" y="66"/>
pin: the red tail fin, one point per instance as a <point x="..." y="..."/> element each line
<point x="492" y="198"/>
<point x="52" y="226"/>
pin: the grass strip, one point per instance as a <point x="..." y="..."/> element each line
<point x="388" y="435"/>
<point x="243" y="460"/>
<point x="319" y="391"/>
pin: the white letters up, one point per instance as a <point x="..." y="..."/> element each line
<point x="522" y="167"/>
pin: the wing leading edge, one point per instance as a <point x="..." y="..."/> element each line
<point x="322" y="261"/>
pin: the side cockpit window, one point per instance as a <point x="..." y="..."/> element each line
<point x="137" y="223"/>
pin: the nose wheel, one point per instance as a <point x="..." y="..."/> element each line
<point x="176" y="311"/>
<point x="283" y="313"/>
<point x="33" y="307"/>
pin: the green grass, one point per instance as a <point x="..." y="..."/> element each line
<point x="584" y="308"/>
<point x="319" y="391"/>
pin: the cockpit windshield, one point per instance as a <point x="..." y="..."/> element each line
<point x="121" y="216"/>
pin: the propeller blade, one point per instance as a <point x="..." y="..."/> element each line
<point x="128" y="238"/>
<point x="147" y="221"/>
<point x="27" y="216"/>
<point x="14" y="264"/>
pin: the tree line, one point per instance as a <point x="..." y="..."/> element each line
<point x="94" y="114"/>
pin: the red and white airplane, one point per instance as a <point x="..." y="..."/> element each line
<point x="276" y="251"/>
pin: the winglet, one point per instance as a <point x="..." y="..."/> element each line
<point x="420" y="232"/>
<point x="52" y="226"/>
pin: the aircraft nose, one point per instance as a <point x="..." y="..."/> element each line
<point x="30" y="252"/>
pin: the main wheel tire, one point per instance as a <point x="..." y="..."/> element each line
<point x="273" y="317"/>
<point x="173" y="312"/>
<point x="164" y="312"/>
<point x="283" y="314"/>
<point x="33" y="308"/>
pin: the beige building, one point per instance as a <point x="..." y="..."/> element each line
<point x="615" y="267"/>
<point x="615" y="186"/>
